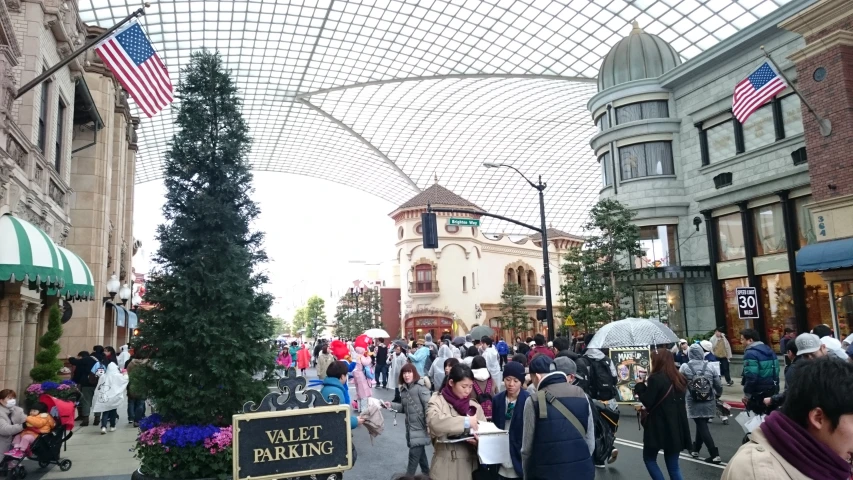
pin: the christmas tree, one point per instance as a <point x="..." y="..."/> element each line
<point x="208" y="329"/>
<point x="47" y="361"/>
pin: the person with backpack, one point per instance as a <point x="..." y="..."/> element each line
<point x="596" y="375"/>
<point x="703" y="388"/>
<point x="503" y="351"/>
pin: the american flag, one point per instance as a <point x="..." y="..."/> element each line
<point x="755" y="90"/>
<point x="138" y="68"/>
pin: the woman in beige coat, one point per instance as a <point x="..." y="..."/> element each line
<point x="450" y="413"/>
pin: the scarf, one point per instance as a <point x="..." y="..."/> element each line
<point x="809" y="456"/>
<point x="461" y="405"/>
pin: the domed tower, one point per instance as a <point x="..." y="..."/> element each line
<point x="638" y="56"/>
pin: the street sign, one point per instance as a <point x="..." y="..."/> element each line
<point x="463" y="222"/>
<point x="747" y="302"/>
<point x="570" y="322"/>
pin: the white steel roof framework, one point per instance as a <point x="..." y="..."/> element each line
<point x="386" y="95"/>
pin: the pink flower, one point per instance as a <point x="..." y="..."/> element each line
<point x="64" y="387"/>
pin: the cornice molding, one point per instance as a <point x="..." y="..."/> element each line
<point x="818" y="16"/>
<point x="834" y="39"/>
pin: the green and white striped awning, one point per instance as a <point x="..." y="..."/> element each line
<point x="27" y="254"/>
<point x="79" y="284"/>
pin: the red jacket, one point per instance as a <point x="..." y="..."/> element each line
<point x="540" y="349"/>
<point x="303" y="358"/>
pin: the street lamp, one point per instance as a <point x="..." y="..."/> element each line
<point x="113" y="286"/>
<point x="124" y="294"/>
<point x="540" y="187"/>
<point x="356" y="292"/>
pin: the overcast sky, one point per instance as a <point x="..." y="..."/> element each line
<point x="314" y="229"/>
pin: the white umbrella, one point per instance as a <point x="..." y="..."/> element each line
<point x="633" y="332"/>
<point x="377" y="333"/>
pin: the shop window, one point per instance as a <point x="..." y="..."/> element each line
<point x="769" y="229"/>
<point x="641" y="111"/>
<point x="730" y="241"/>
<point x="606" y="177"/>
<point x="646" y="160"/>
<point x="45" y="96"/>
<point x="817" y="301"/>
<point x="758" y="129"/>
<point x="733" y="323"/>
<point x="663" y="302"/>
<point x="843" y="294"/>
<point x="805" y="227"/>
<point x="423" y="278"/>
<point x="792" y="115"/>
<point x="660" y="244"/>
<point x="721" y="141"/>
<point x="777" y="306"/>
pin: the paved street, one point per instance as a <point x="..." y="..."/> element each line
<point x="107" y="457"/>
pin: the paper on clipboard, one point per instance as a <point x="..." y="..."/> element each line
<point x="493" y="449"/>
<point x="485" y="429"/>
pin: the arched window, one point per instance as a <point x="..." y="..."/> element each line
<point x="532" y="289"/>
<point x="423" y="278"/>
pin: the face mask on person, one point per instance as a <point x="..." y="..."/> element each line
<point x="11" y="402"/>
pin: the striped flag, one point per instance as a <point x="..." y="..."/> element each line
<point x="756" y="90"/>
<point x="138" y="68"/>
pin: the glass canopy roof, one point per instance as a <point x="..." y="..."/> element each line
<point x="386" y="96"/>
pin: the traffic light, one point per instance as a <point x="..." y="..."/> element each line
<point x="430" y="230"/>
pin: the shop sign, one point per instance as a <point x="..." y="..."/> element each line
<point x="632" y="365"/>
<point x="747" y="302"/>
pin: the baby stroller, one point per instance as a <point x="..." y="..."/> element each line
<point x="45" y="449"/>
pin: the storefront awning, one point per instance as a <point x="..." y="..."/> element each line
<point x="27" y="254"/>
<point x="79" y="284"/>
<point x="830" y="255"/>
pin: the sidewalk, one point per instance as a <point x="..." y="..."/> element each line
<point x="95" y="456"/>
<point x="734" y="394"/>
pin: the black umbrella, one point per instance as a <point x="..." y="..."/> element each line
<point x="401" y="344"/>
<point x="459" y="341"/>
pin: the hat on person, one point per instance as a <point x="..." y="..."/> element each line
<point x="807" y="343"/>
<point x="515" y="370"/>
<point x="682" y="341"/>
<point x="706" y="345"/>
<point x="542" y="364"/>
<point x="550" y="344"/>
<point x="566" y="365"/>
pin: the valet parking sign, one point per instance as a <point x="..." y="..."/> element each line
<point x="747" y="302"/>
<point x="292" y="443"/>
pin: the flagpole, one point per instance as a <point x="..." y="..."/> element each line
<point x="32" y="83"/>
<point x="823" y="123"/>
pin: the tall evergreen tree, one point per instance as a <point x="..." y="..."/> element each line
<point x="210" y="314"/>
<point x="596" y="273"/>
<point x="514" y="316"/>
<point x="315" y="317"/>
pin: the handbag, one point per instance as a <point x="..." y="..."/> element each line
<point x="644" y="414"/>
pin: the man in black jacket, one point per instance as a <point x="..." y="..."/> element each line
<point x="381" y="363"/>
<point x="83" y="364"/>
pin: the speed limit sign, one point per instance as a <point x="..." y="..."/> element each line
<point x="747" y="302"/>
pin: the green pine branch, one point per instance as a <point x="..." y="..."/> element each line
<point x="48" y="363"/>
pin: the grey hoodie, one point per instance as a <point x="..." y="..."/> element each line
<point x="697" y="362"/>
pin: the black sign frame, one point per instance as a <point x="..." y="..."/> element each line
<point x="293" y="399"/>
<point x="745" y="296"/>
<point x="239" y="420"/>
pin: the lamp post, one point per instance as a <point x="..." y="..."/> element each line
<point x="113" y="286"/>
<point x="355" y="293"/>
<point x="540" y="187"/>
<point x="124" y="294"/>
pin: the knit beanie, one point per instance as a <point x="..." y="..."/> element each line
<point x="514" y="369"/>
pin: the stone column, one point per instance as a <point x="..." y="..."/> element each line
<point x="4" y="338"/>
<point x="30" y="341"/>
<point x="14" y="347"/>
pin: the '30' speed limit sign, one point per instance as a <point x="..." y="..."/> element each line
<point x="747" y="302"/>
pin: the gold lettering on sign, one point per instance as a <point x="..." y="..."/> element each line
<point x="300" y="442"/>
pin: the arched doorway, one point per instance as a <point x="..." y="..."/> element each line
<point x="418" y="327"/>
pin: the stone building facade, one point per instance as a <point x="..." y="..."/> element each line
<point x="732" y="204"/>
<point x="50" y="178"/>
<point x="453" y="288"/>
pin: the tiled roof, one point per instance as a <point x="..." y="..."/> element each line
<point x="553" y="233"/>
<point x="438" y="195"/>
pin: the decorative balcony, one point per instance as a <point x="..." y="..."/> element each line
<point x="424" y="288"/>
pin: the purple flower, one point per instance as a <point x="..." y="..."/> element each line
<point x="150" y="421"/>
<point x="68" y="382"/>
<point x="49" y="386"/>
<point x="188" y="435"/>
